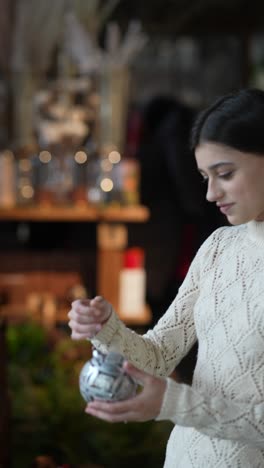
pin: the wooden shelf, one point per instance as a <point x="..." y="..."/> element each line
<point x="109" y="256"/>
<point x="18" y="313"/>
<point x="82" y="213"/>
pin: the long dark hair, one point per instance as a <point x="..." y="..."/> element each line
<point x="235" y="120"/>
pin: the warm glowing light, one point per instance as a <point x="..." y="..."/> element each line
<point x="45" y="157"/>
<point x="114" y="157"/>
<point x="27" y="191"/>
<point x="106" y="165"/>
<point x="24" y="165"/>
<point x="106" y="184"/>
<point x="107" y="148"/>
<point x="80" y="157"/>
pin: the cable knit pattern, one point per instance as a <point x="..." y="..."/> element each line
<point x="219" y="421"/>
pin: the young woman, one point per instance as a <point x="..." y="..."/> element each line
<point x="219" y="420"/>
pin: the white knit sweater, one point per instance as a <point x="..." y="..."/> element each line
<point x="219" y="420"/>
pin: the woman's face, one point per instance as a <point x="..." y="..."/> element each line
<point x="235" y="181"/>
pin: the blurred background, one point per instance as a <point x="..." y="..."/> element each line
<point x="99" y="194"/>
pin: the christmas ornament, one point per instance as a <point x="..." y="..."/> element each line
<point x="103" y="378"/>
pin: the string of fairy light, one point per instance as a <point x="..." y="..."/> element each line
<point x="81" y="157"/>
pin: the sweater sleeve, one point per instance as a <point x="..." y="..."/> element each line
<point x="161" y="349"/>
<point x="213" y="416"/>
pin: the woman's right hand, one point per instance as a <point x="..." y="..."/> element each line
<point x="87" y="316"/>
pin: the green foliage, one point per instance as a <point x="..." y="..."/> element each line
<point x="48" y="411"/>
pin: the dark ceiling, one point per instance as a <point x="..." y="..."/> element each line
<point x="176" y="17"/>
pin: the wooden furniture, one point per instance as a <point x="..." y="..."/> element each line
<point x="78" y="213"/>
<point x="112" y="226"/>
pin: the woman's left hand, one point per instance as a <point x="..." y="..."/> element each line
<point x="144" y="406"/>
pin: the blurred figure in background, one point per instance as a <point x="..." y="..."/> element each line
<point x="180" y="217"/>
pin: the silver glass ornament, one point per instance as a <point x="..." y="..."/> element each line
<point x="103" y="378"/>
